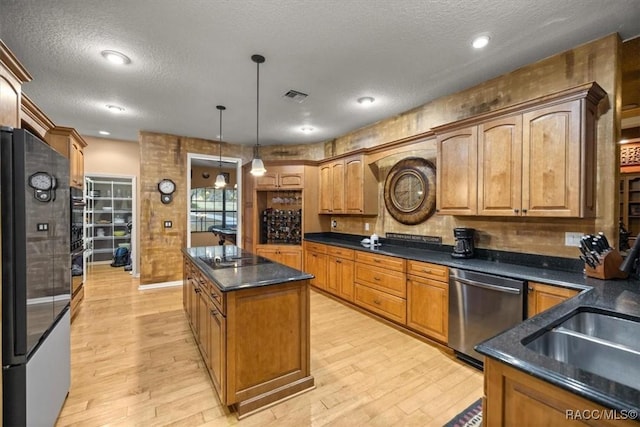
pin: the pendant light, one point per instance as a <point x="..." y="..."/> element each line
<point x="220" y="181"/>
<point x="257" y="166"/>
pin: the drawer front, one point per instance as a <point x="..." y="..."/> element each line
<point x="215" y="294"/>
<point x="336" y="251"/>
<point x="384" y="261"/>
<point x="385" y="305"/>
<point x="315" y="247"/>
<point x="427" y="270"/>
<point x="384" y="280"/>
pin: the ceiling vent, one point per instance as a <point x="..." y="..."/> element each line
<point x="296" y="96"/>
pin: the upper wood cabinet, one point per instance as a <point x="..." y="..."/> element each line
<point x="33" y="119"/>
<point x="533" y="159"/>
<point x="281" y="177"/>
<point x="70" y="144"/>
<point x="12" y="76"/>
<point x="348" y="186"/>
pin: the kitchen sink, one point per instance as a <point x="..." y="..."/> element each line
<point x="234" y="261"/>
<point x="599" y="343"/>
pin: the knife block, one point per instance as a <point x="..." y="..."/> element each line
<point x="608" y="267"/>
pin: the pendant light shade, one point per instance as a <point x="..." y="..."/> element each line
<point x="257" y="166"/>
<point x="220" y="181"/>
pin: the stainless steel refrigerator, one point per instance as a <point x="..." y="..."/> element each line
<point x="36" y="279"/>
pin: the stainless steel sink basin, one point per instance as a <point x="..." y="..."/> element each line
<point x="599" y="343"/>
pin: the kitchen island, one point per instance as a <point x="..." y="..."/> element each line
<point x="250" y="319"/>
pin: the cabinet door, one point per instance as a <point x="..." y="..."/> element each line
<point x="551" y="178"/>
<point x="354" y="185"/>
<point x="203" y="326"/>
<point x="346" y="277"/>
<point x="185" y="285"/>
<point x="10" y="92"/>
<point x="337" y="187"/>
<point x="290" y="180"/>
<point x="268" y="180"/>
<point x="333" y="275"/>
<point x="269" y="253"/>
<point x="193" y="307"/>
<point x="326" y="189"/>
<point x="218" y="352"/>
<point x="428" y="307"/>
<point x="500" y="167"/>
<point x="316" y="264"/>
<point x="542" y="297"/>
<point x="457" y="189"/>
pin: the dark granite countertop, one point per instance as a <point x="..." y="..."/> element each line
<point x="618" y="296"/>
<point x="264" y="273"/>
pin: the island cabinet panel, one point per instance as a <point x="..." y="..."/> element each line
<point x="315" y="262"/>
<point x="218" y="351"/>
<point x="514" y="398"/>
<point x="428" y="299"/>
<point x="541" y="297"/>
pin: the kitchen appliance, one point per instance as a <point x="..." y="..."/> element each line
<point x="77" y="240"/>
<point x="481" y="306"/>
<point x="36" y="280"/>
<point x="463" y="247"/>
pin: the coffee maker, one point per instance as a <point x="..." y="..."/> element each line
<point x="463" y="247"/>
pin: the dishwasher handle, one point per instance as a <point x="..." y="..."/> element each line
<point x="487" y="286"/>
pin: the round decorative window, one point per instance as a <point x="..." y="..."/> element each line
<point x="410" y="190"/>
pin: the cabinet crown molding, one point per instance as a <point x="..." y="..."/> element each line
<point x="12" y="64"/>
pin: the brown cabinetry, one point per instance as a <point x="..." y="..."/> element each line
<point x="541" y="297"/>
<point x="340" y="272"/>
<point x="231" y="328"/>
<point x="70" y="144"/>
<point x="281" y="177"/>
<point x="380" y="285"/>
<point x="12" y="76"/>
<point x="428" y="299"/>
<point x="348" y="186"/>
<point x="514" y="398"/>
<point x="532" y="159"/>
<point x="315" y="262"/>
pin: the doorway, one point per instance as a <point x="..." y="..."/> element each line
<point x="214" y="215"/>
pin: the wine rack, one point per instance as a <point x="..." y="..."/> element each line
<point x="280" y="226"/>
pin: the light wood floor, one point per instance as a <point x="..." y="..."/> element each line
<point x="135" y="363"/>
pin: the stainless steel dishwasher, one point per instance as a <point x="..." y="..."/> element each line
<point x="480" y="307"/>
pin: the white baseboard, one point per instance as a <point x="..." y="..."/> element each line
<point x="160" y="285"/>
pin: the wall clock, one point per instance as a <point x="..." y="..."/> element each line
<point x="166" y="187"/>
<point x="410" y="190"/>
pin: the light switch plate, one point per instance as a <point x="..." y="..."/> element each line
<point x="168" y="224"/>
<point x="572" y="238"/>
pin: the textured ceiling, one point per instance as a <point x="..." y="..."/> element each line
<point x="188" y="56"/>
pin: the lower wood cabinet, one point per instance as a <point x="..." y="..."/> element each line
<point x="340" y="272"/>
<point x="315" y="262"/>
<point x="289" y="255"/>
<point x="428" y="300"/>
<point x="541" y="297"/>
<point x="254" y="342"/>
<point x="382" y="303"/>
<point x="514" y="398"/>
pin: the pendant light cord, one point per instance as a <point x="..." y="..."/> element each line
<point x="220" y="143"/>
<point x="257" y="109"/>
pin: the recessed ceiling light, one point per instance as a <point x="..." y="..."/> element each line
<point x="116" y="57"/>
<point x="366" y="100"/>
<point x="104" y="132"/>
<point x="480" y="42"/>
<point x="115" y="109"/>
<point x="306" y="129"/>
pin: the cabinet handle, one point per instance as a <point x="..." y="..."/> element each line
<point x="376" y="278"/>
<point x="215" y="296"/>
<point x="524" y="211"/>
<point x="338" y="261"/>
<point x="516" y="210"/>
<point x="426" y="270"/>
<point x="197" y="290"/>
<point x="214" y="312"/>
<point x="530" y="289"/>
<point x="377" y="301"/>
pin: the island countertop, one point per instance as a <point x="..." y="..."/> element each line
<point x="252" y="271"/>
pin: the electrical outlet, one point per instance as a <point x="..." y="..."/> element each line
<point x="366" y="226"/>
<point x="572" y="238"/>
<point x="334" y="223"/>
<point x="168" y="224"/>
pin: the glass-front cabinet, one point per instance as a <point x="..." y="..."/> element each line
<point x="108" y="216"/>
